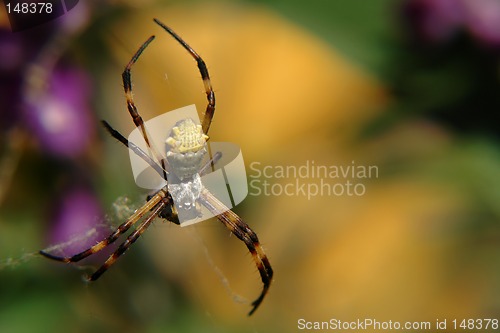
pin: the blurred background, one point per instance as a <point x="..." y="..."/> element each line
<point x="409" y="86"/>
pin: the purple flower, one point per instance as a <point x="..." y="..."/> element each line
<point x="482" y="18"/>
<point x="434" y="20"/>
<point x="60" y="118"/>
<point x="438" y="21"/>
<point x="77" y="222"/>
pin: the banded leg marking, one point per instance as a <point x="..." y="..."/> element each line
<point x="115" y="235"/>
<point x="243" y="232"/>
<point x="202" y="67"/>
<point x="130" y="240"/>
<point x="132" y="109"/>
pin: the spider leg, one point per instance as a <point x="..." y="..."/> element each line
<point x="132" y="109"/>
<point x="139" y="152"/>
<point x="132" y="146"/>
<point x="210" y="110"/>
<point x="149" y="205"/>
<point x="241" y="230"/>
<point x="130" y="240"/>
<point x="210" y="164"/>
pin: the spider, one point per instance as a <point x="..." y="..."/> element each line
<point x="185" y="149"/>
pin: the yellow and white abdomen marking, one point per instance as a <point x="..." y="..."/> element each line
<point x="186" y="148"/>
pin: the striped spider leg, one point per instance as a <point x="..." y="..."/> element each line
<point x="185" y="151"/>
<point x="210" y="110"/>
<point x="243" y="232"/>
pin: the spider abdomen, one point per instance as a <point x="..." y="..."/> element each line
<point x="186" y="148"/>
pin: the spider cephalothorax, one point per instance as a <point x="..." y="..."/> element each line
<point x="185" y="150"/>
